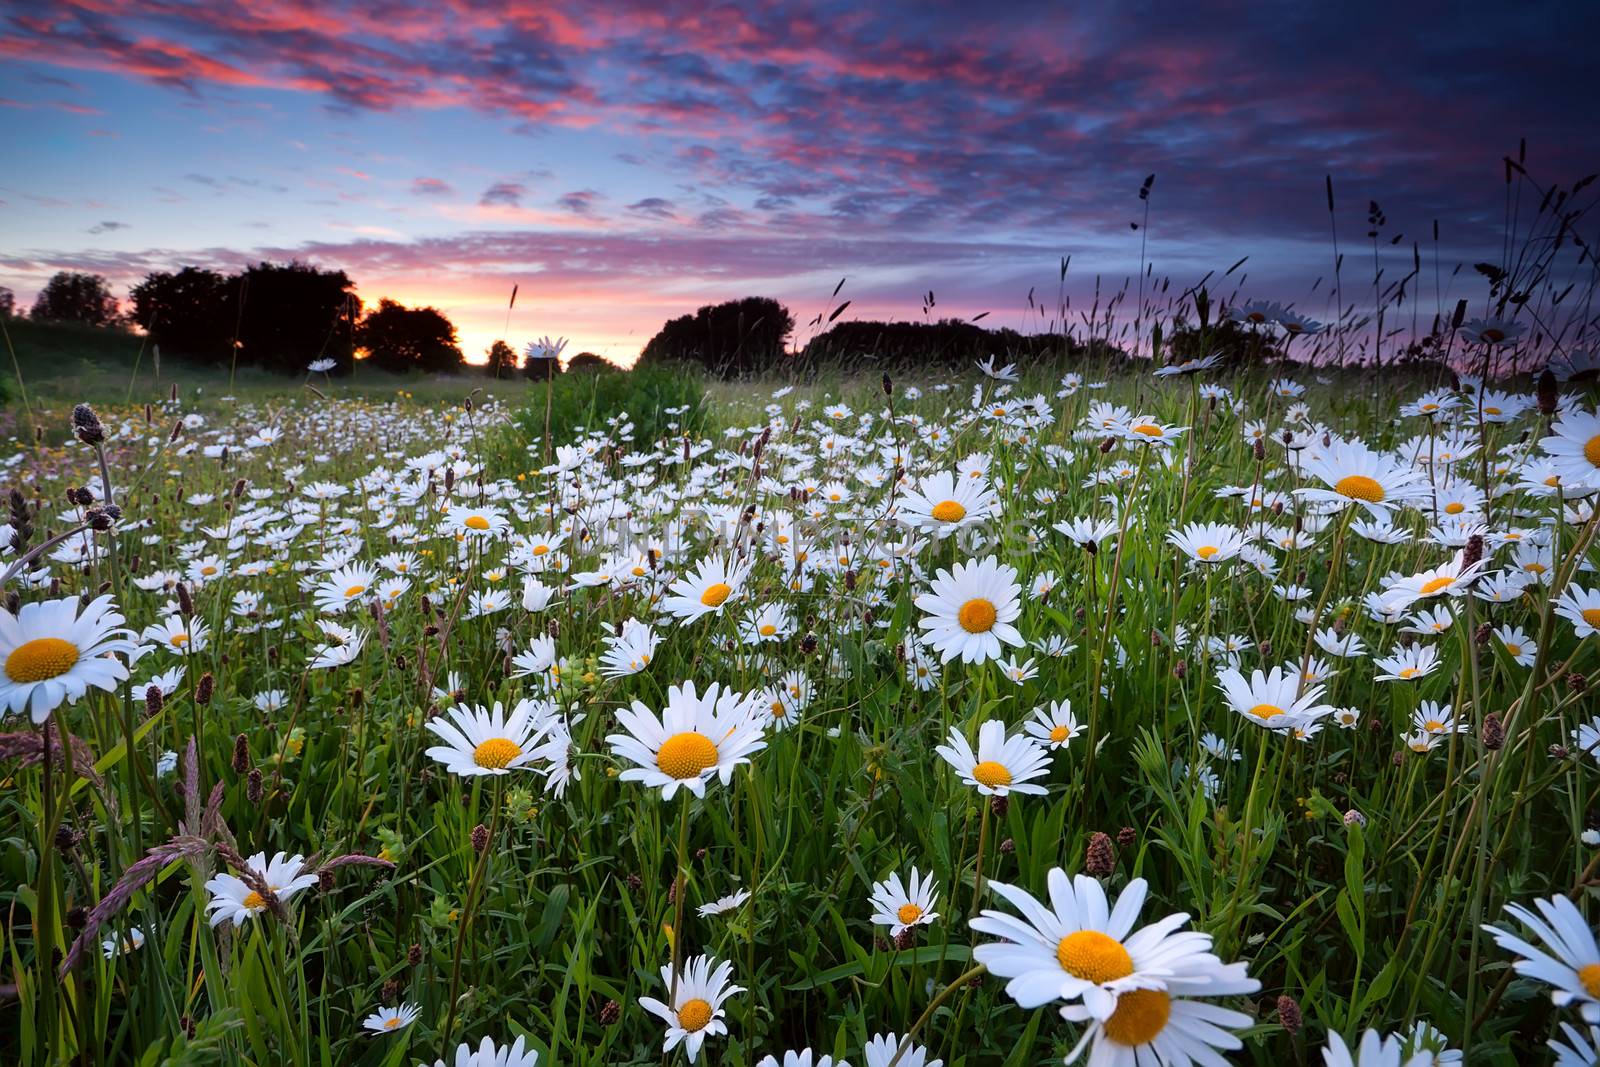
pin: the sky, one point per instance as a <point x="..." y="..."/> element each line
<point x="625" y="163"/>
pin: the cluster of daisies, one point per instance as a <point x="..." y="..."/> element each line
<point x="762" y="556"/>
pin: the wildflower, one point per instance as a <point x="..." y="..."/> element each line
<point x="388" y="1020"/>
<point x="903" y="905"/>
<point x="482" y="741"/>
<point x="54" y="653"/>
<point x="695" y="738"/>
<point x="969" y="611"/>
<point x="696" y="1010"/>
<point x="232" y="899"/>
<point x="1000" y="766"/>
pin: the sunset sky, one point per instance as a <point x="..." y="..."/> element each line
<point x="626" y="163"/>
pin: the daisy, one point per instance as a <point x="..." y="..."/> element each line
<point x="943" y="503"/>
<point x="175" y="635"/>
<point x="695" y="737"/>
<point x="1080" y="947"/>
<point x="1273" y="700"/>
<point x="483" y="521"/>
<point x="628" y="650"/>
<point x="1577" y="1050"/>
<point x="1572" y="964"/>
<point x="723" y="904"/>
<point x="1579" y="606"/>
<point x="1354" y="474"/>
<point x="1518" y="645"/>
<point x="969" y="611"/>
<point x="1001" y="765"/>
<point x="770" y="623"/>
<point x="696" y="1010"/>
<point x="904" y="905"/>
<point x="714" y="582"/>
<point x="488" y="1054"/>
<point x="801" y="1059"/>
<point x="1375" y="1050"/>
<point x="1408" y="664"/>
<point x="883" y="1048"/>
<point x="481" y="741"/>
<point x="1165" y="1026"/>
<point x="388" y="1020"/>
<point x="343" y="587"/>
<point x="54" y="653"/>
<point x="112" y="947"/>
<point x="1208" y="542"/>
<point x="1492" y="331"/>
<point x="1431" y="717"/>
<point x="1453" y="579"/>
<point x="1053" y="726"/>
<point x="1018" y="673"/>
<point x="232" y="900"/>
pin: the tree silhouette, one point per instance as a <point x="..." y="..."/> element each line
<point x="948" y="342"/>
<point x="731" y="339"/>
<point x="191" y="314"/>
<point x="400" y="339"/>
<point x="70" y="296"/>
<point x="8" y="303"/>
<point x="588" y="362"/>
<point x="294" y="314"/>
<point x="502" y="361"/>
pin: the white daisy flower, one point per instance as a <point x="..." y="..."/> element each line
<point x="903" y="905"/>
<point x="53" y="654"/>
<point x="1001" y="765"/>
<point x="388" y="1020"/>
<point x="488" y="741"/>
<point x="696" y="1009"/>
<point x="232" y="899"/>
<point x="695" y="738"/>
<point x="969" y="611"/>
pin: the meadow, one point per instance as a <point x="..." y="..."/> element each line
<point x="1123" y="714"/>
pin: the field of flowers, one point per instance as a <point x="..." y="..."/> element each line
<point x="1191" y="717"/>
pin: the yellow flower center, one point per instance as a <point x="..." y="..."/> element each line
<point x="1093" y="957"/>
<point x="694" y="1015"/>
<point x="1516" y="650"/>
<point x="1437" y="584"/>
<point x="496" y="753"/>
<point x="354" y="591"/>
<point x="539" y="550"/>
<point x="767" y="629"/>
<point x="1590" y="616"/>
<point x="992" y="774"/>
<point x="1433" y="726"/>
<point x="1553" y="481"/>
<point x="1491" y="411"/>
<point x="254" y="901"/>
<point x="180" y="639"/>
<point x="41" y="659"/>
<point x="1140" y="1017"/>
<point x="777" y="709"/>
<point x="391" y="1023"/>
<point x="1059" y="734"/>
<point x="1591" y="450"/>
<point x="976" y="616"/>
<point x="1455" y="508"/>
<point x="477" y="522"/>
<point x="1266" y="711"/>
<point x="949" y="511"/>
<point x="208" y="570"/>
<point x="1409" y="672"/>
<point x="1148" y="429"/>
<point x="715" y="594"/>
<point x="1360" y="487"/>
<point x="1207" y="551"/>
<point x="908" y="914"/>
<point x="686" y="755"/>
<point x="1590" y="977"/>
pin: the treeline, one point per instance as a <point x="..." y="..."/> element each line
<point x="751" y="337"/>
<point x="277" y="317"/>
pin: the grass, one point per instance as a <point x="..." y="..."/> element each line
<point x="560" y="924"/>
